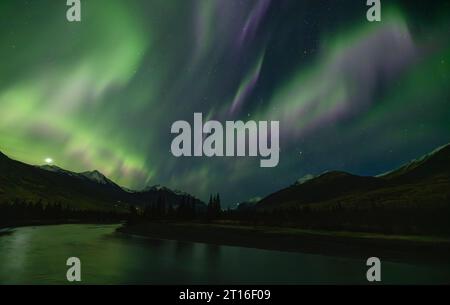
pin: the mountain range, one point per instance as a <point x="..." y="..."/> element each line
<point x="423" y="183"/>
<point x="87" y="190"/>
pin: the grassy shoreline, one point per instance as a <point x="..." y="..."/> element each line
<point x="350" y="244"/>
<point x="36" y="223"/>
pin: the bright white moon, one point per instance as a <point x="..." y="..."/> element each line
<point x="49" y="160"/>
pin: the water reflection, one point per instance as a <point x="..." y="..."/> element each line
<point x="37" y="255"/>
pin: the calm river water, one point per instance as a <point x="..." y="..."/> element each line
<point x="37" y="255"/>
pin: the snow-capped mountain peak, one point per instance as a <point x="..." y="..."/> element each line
<point x="305" y="179"/>
<point x="96" y="176"/>
<point x="56" y="169"/>
<point x="156" y="188"/>
<point x="415" y="162"/>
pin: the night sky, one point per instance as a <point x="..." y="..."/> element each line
<point x="102" y="94"/>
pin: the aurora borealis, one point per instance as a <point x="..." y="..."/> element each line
<point x="102" y="94"/>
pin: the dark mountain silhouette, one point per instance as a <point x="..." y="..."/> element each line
<point x="2" y="156"/>
<point x="421" y="183"/>
<point x="98" y="177"/>
<point x="248" y="204"/>
<point x="432" y="165"/>
<point x="324" y="187"/>
<point x="87" y="190"/>
<point x="157" y="193"/>
<point x="93" y="176"/>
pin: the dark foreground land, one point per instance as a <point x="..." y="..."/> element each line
<point x="6" y="227"/>
<point x="390" y="247"/>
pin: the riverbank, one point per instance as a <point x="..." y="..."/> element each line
<point x="351" y="244"/>
<point x="34" y="223"/>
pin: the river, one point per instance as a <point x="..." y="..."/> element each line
<point x="37" y="255"/>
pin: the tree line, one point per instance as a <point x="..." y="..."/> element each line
<point x="20" y="211"/>
<point x="372" y="218"/>
<point x="17" y="212"/>
<point x="186" y="210"/>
